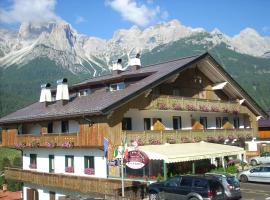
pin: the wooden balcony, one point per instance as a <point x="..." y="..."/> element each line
<point x="165" y="102"/>
<point x="182" y="136"/>
<point x="86" y="185"/>
<point x="50" y="140"/>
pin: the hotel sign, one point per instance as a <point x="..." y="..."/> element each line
<point x="136" y="159"/>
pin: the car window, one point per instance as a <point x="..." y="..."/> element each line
<point x="232" y="180"/>
<point x="266" y="169"/>
<point x="200" y="183"/>
<point x="186" y="182"/>
<point x="173" y="182"/>
<point x="216" y="187"/>
<point x="256" y="169"/>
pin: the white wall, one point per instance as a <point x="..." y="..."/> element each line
<point x="59" y="160"/>
<point x="167" y="116"/>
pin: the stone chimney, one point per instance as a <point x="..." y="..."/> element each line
<point x="45" y="94"/>
<point x="62" y="90"/>
<point x="117" y="67"/>
<point x="135" y="63"/>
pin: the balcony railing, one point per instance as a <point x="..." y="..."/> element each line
<point x="86" y="185"/>
<point x="165" y="102"/>
<point x="49" y="140"/>
<point x="183" y="136"/>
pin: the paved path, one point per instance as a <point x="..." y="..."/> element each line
<point x="255" y="191"/>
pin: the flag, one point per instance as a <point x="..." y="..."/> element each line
<point x="106" y="147"/>
<point x="115" y="152"/>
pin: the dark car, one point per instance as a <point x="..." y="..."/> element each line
<point x="187" y="188"/>
<point x="230" y="183"/>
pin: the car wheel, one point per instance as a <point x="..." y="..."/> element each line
<point x="253" y="163"/>
<point x="243" y="178"/>
<point x="153" y="196"/>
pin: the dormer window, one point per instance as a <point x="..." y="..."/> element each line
<point x="117" y="86"/>
<point x="84" y="92"/>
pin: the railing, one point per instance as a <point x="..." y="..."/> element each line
<point x="86" y="185"/>
<point x="165" y="102"/>
<point x="182" y="136"/>
<point x="49" y="140"/>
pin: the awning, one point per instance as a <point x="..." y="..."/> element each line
<point x="172" y="153"/>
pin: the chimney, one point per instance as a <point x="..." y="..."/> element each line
<point x="62" y="90"/>
<point x="117" y="67"/>
<point x="45" y="94"/>
<point x="135" y="63"/>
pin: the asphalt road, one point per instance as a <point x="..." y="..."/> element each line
<point x="255" y="191"/>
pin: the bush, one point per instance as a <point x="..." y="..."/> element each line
<point x="17" y="162"/>
<point x="229" y="169"/>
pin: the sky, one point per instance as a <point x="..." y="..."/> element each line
<point x="101" y="18"/>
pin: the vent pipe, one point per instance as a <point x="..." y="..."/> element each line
<point x="135" y="63"/>
<point x="62" y="90"/>
<point x="45" y="94"/>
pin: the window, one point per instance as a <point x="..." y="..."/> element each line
<point x="176" y="92"/>
<point x="203" y="121"/>
<point x="89" y="165"/>
<point x="51" y="163"/>
<point x="200" y="183"/>
<point x="177" y="123"/>
<point x="173" y="182"/>
<point x="33" y="161"/>
<point x="218" y="122"/>
<point x="147" y="124"/>
<point x="236" y="122"/>
<point x="64" y="126"/>
<point x="225" y="120"/>
<point x="126" y="123"/>
<point x="69" y="163"/>
<point x="117" y="86"/>
<point x="52" y="195"/>
<point x="186" y="182"/>
<point x="50" y="127"/>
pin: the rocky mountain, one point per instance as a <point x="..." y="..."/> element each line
<point x="45" y="52"/>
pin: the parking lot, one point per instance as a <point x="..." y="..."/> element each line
<point x="255" y="191"/>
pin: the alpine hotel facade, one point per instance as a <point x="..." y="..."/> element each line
<point x="61" y="137"/>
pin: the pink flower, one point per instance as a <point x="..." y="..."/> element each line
<point x="69" y="169"/>
<point x="90" y="171"/>
<point x="33" y="166"/>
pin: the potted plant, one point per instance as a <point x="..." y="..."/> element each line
<point x="89" y="171"/>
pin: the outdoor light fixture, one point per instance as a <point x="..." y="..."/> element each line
<point x="196" y="77"/>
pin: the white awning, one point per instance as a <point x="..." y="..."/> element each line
<point x="172" y="153"/>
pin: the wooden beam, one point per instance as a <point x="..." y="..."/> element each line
<point x="219" y="86"/>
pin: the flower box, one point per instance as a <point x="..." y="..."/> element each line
<point x="69" y="169"/>
<point x="68" y="145"/>
<point x="50" y="145"/>
<point x="89" y="171"/>
<point x="163" y="106"/>
<point x="20" y="146"/>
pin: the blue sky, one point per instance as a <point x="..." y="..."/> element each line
<point x="102" y="17"/>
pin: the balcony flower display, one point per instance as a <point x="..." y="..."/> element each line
<point x="197" y="139"/>
<point x="69" y="169"/>
<point x="67" y="144"/>
<point x="185" y="140"/>
<point x="154" y="141"/>
<point x="235" y="110"/>
<point x="177" y="107"/>
<point x="50" y="145"/>
<point x="191" y="107"/>
<point x="203" y="108"/>
<point x="221" y="139"/>
<point x="140" y="142"/>
<point x="34" y="144"/>
<point x="225" y="110"/>
<point x="231" y="137"/>
<point x="20" y="146"/>
<point x="89" y="171"/>
<point x="33" y="166"/>
<point x="163" y="106"/>
<point x="212" y="139"/>
<point x="215" y="109"/>
<point x="171" y="140"/>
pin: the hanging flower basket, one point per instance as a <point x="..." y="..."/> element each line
<point x="20" y="146"/>
<point x="50" y="145"/>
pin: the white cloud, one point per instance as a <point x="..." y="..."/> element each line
<point x="28" y="10"/>
<point x="80" y="19"/>
<point x="134" y="12"/>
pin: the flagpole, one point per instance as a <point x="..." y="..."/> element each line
<point x="122" y="166"/>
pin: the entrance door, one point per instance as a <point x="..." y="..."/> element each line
<point x="32" y="194"/>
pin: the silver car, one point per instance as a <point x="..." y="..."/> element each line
<point x="263" y="159"/>
<point x="257" y="174"/>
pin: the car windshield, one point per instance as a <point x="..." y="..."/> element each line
<point x="232" y="180"/>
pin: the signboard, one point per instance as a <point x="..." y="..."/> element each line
<point x="136" y="159"/>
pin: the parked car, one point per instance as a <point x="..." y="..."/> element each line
<point x="257" y="174"/>
<point x="263" y="159"/>
<point x="230" y="183"/>
<point x="187" y="188"/>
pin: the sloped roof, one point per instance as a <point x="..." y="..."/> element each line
<point x="265" y="122"/>
<point x="103" y="101"/>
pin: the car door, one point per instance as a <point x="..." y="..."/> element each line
<point x="266" y="158"/>
<point x="254" y="174"/>
<point x="170" y="190"/>
<point x="264" y="175"/>
<point x="185" y="187"/>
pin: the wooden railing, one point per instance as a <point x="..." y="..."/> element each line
<point x="49" y="140"/>
<point x="86" y="185"/>
<point x="166" y="102"/>
<point x="182" y="136"/>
